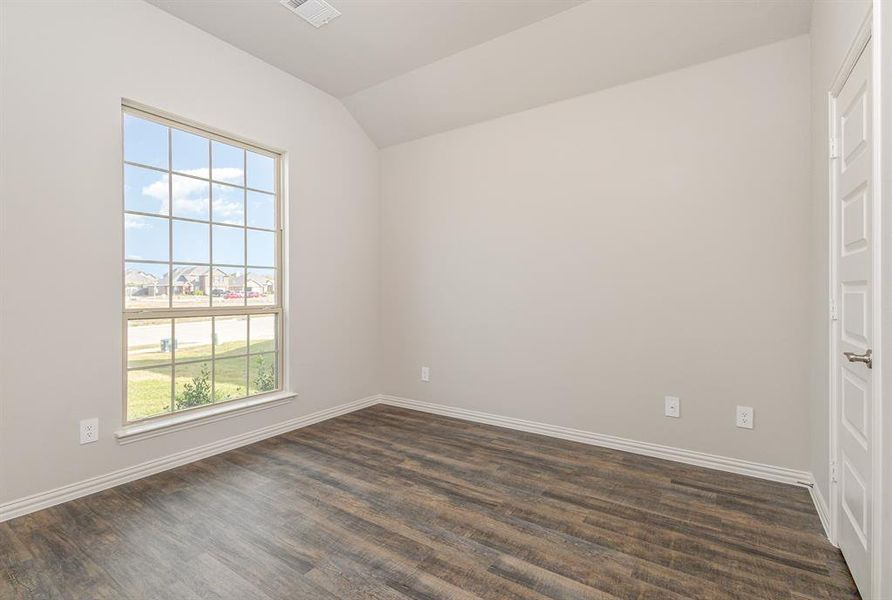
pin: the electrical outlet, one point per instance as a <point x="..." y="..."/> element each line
<point x="673" y="406"/>
<point x="745" y="417"/>
<point x="425" y="374"/>
<point x="89" y="431"/>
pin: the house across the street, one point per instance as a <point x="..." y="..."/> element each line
<point x="196" y="280"/>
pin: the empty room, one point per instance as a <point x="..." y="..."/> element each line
<point x="445" y="299"/>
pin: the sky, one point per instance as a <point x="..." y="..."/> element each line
<point x="147" y="190"/>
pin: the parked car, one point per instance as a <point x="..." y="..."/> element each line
<point x="233" y="295"/>
<point x="254" y="294"/>
<point x="218" y="292"/>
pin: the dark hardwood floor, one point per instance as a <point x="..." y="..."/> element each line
<point x="391" y="504"/>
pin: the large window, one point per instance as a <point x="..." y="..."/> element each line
<point x="202" y="269"/>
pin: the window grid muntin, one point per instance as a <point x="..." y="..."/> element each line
<point x="247" y="355"/>
<point x="173" y="312"/>
<point x="196" y="177"/>
<point x="169" y="172"/>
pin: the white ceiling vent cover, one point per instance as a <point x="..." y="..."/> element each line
<point x="315" y="12"/>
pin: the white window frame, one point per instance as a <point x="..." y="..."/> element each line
<point x="171" y="312"/>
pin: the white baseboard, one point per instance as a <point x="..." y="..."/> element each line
<point x="29" y="504"/>
<point x="23" y="506"/>
<point x="691" y="457"/>
<point x="823" y="509"/>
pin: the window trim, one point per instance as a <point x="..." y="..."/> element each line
<point x="141" y="111"/>
<point x="187" y="419"/>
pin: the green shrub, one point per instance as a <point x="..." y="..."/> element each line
<point x="198" y="392"/>
<point x="266" y="377"/>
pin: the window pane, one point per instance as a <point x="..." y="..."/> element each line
<point x="193" y="384"/>
<point x="262" y="373"/>
<point x="189" y="153"/>
<point x="229" y="204"/>
<point x="261" y="210"/>
<point x="145" y="142"/>
<point x="190" y="285"/>
<point x="145" y="285"/>
<point x="197" y="187"/>
<point x="145" y="238"/>
<point x="145" y="190"/>
<point x="220" y="285"/>
<point x="231" y="290"/>
<point x="230" y="336"/>
<point x="229" y="163"/>
<point x="261" y="288"/>
<point x="190" y="242"/>
<point x="148" y="392"/>
<point x="261" y="248"/>
<point x="230" y="378"/>
<point x="194" y="338"/>
<point x="261" y="172"/>
<point x="148" y="342"/>
<point x="191" y="198"/>
<point x="229" y="245"/>
<point x="263" y="333"/>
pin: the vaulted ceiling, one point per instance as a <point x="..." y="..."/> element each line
<point x="410" y="68"/>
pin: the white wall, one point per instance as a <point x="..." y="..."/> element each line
<point x="574" y="263"/>
<point x="65" y="68"/>
<point x="833" y="28"/>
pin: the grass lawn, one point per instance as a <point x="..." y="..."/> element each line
<point x="148" y="386"/>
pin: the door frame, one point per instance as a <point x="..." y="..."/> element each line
<point x="865" y="34"/>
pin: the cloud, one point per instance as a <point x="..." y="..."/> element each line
<point x="229" y="175"/>
<point x="228" y="211"/>
<point x="135" y="222"/>
<point x="191" y="198"/>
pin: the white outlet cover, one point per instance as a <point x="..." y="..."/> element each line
<point x="425" y="373"/>
<point x="673" y="407"/>
<point x="745" y="417"/>
<point x="89" y="430"/>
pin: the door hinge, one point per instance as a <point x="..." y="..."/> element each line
<point x="834" y="312"/>
<point x="834" y="150"/>
<point x="834" y="472"/>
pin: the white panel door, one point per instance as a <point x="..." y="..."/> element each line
<point x="853" y="165"/>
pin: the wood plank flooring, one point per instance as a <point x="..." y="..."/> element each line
<point x="392" y="504"/>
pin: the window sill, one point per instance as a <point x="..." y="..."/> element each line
<point x="195" y="418"/>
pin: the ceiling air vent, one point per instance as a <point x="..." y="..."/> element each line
<point x="315" y="12"/>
